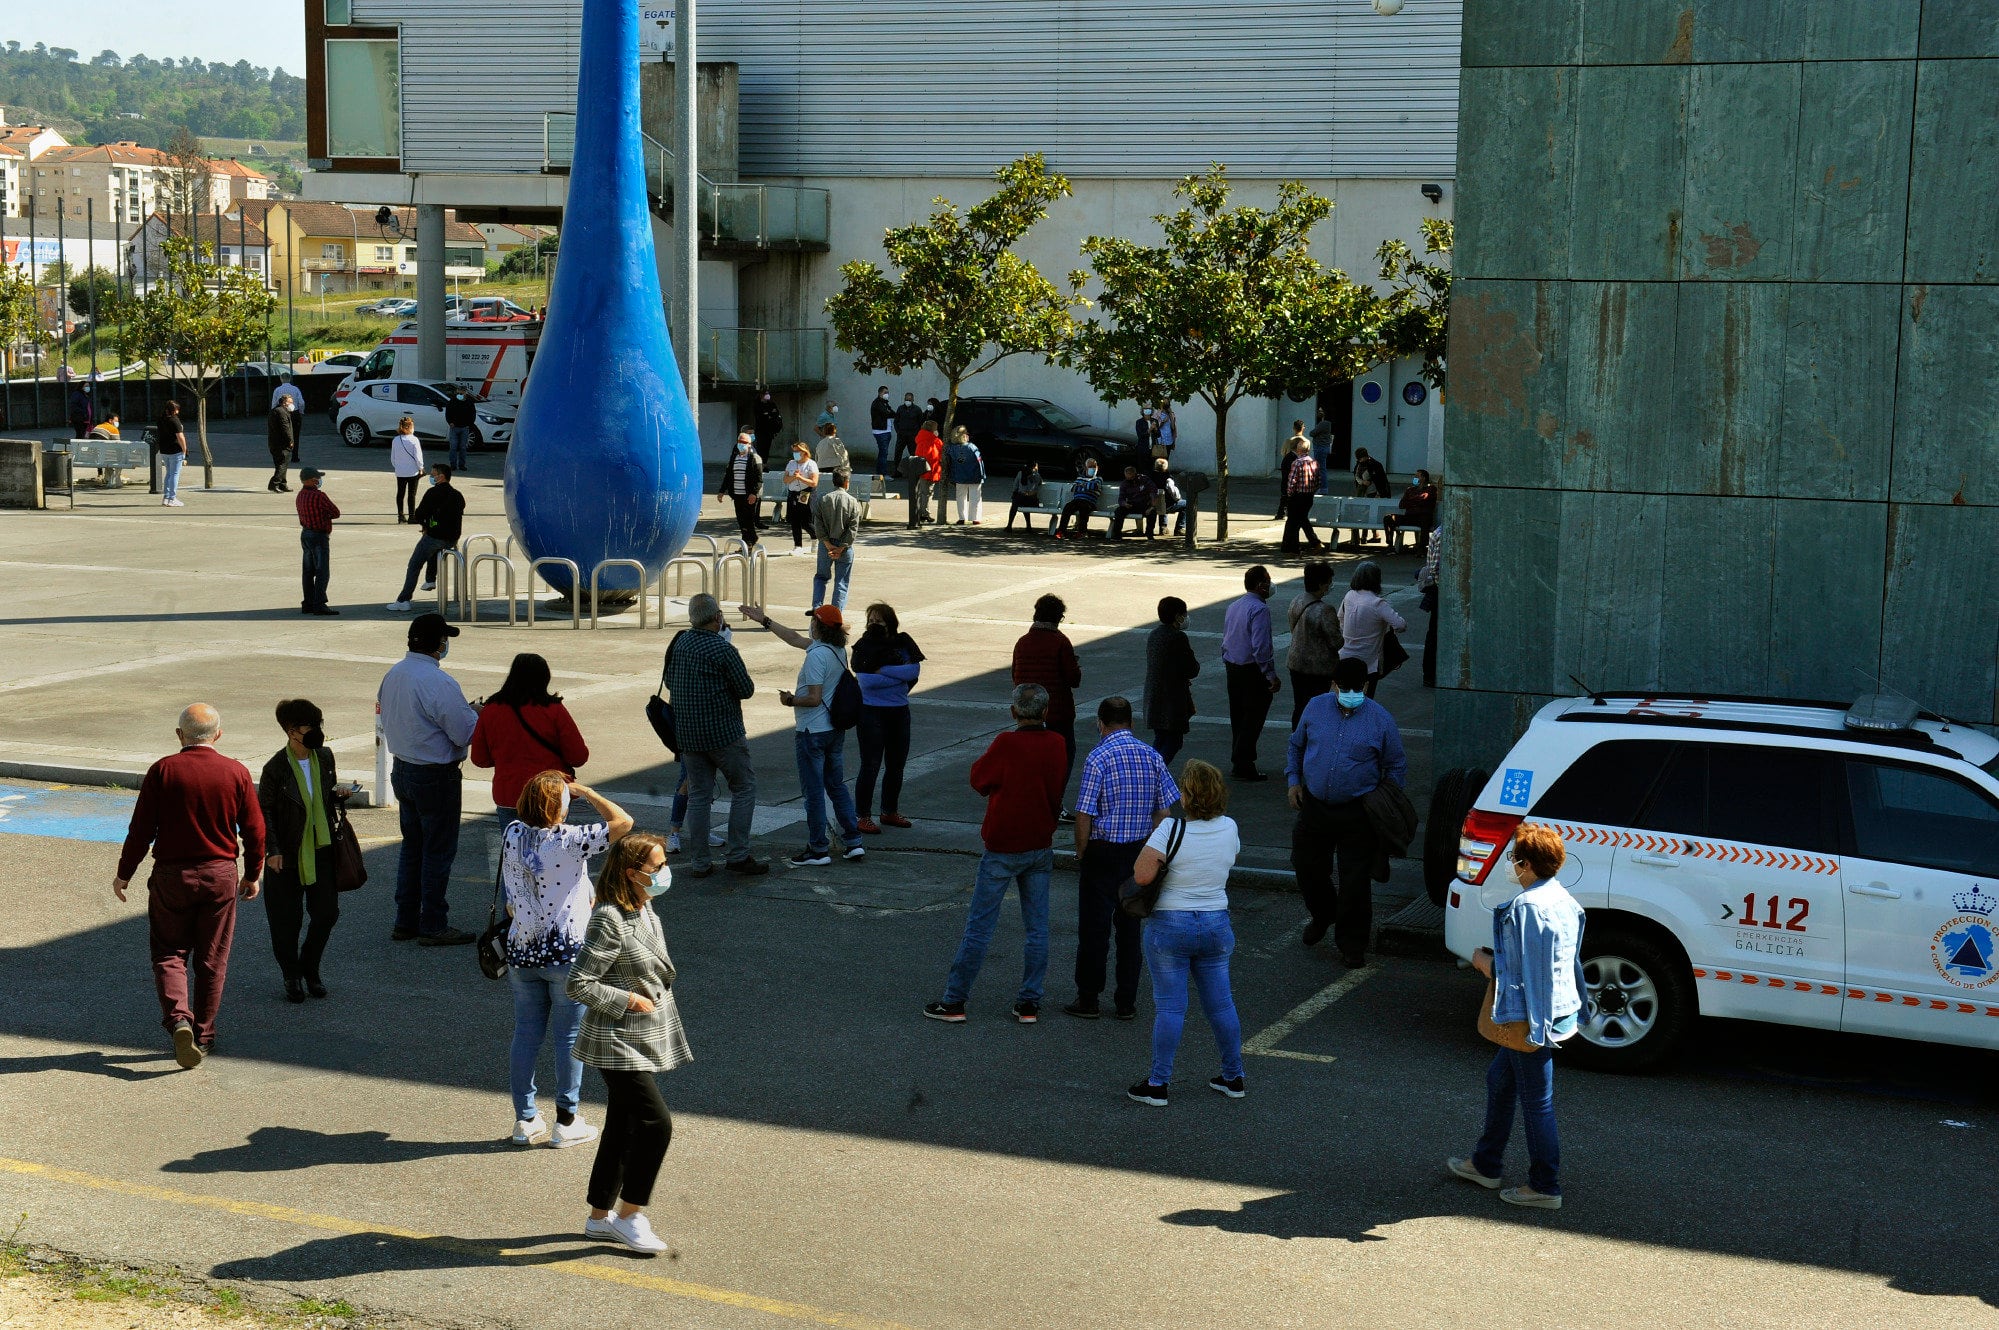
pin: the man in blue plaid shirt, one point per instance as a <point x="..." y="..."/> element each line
<point x="1126" y="792"/>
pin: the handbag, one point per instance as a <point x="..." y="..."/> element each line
<point x="1393" y="655"/>
<point x="349" y="872"/>
<point x="659" y="711"/>
<point x="1512" y="1034"/>
<point x="1138" y="901"/>
<point x="492" y="948"/>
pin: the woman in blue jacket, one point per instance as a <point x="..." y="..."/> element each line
<point x="1537" y="973"/>
<point x="966" y="470"/>
<point x="886" y="661"/>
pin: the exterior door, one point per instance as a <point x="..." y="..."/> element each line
<point x="1373" y="398"/>
<point x="1921" y="873"/>
<point x="1409" y="406"/>
<point x="425" y="406"/>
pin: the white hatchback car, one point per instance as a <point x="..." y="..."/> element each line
<point x="370" y="412"/>
<point x="1796" y="862"/>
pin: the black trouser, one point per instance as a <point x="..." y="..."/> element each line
<point x="1143" y="516"/>
<point x="637" y="1130"/>
<point x="798" y="512"/>
<point x="406" y="498"/>
<point x="1167" y="743"/>
<point x="1013" y="510"/>
<point x="1326" y="835"/>
<point x="1081" y="510"/>
<point x="1297" y="522"/>
<point x="288" y="903"/>
<point x="1249" y="706"/>
<point x="1068" y="732"/>
<point x="1305" y="687"/>
<point x="280" y="458"/>
<point x="1393" y="524"/>
<point x="1430" y="652"/>
<point x="884" y="736"/>
<point x="1104" y="868"/>
<point x="316" y="568"/>
<point x="746" y="516"/>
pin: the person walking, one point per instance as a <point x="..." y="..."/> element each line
<point x="930" y="451"/>
<point x="281" y="437"/>
<point x="1537" y="979"/>
<point x="1125" y="794"/>
<point x="1322" y="446"/>
<point x="968" y="476"/>
<point x="197" y="812"/>
<point x="1301" y="483"/>
<point x="170" y="438"/>
<point x="295" y="793"/>
<point x="442" y="517"/>
<point x="887" y="664"/>
<point x="1170" y="670"/>
<point x="1045" y="656"/>
<point x="821" y="748"/>
<point x="81" y="412"/>
<point x="1026" y="494"/>
<point x="1187" y="936"/>
<point x="1016" y="774"/>
<point x="631" y="1032"/>
<point x="1346" y="745"/>
<point x="881" y="423"/>
<point x="801" y="483"/>
<point x="426" y="725"/>
<point x="709" y="683"/>
<point x="406" y="461"/>
<point x="1366" y="620"/>
<point x="1315" y="639"/>
<point x="1084" y="495"/>
<point x="742" y="485"/>
<point x="1287" y="458"/>
<point x="289" y="391"/>
<point x="908" y="423"/>
<point x="1251" y="666"/>
<point x="523" y="730"/>
<point x="461" y="413"/>
<point x="316" y="515"/>
<point x="836" y="521"/>
<point x="545" y="876"/>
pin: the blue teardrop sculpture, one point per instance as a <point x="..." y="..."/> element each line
<point x="606" y="457"/>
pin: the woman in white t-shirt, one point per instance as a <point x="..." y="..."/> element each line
<point x="545" y="869"/>
<point x="801" y="481"/>
<point x="1187" y="936"/>
<point x="406" y="460"/>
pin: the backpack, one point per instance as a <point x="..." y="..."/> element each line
<point x="844" y="707"/>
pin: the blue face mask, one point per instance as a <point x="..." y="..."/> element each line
<point x="657" y="884"/>
<point x="1350" y="701"/>
<point x="444" y="651"/>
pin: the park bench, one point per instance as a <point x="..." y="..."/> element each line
<point x="1048" y="501"/>
<point x="861" y="487"/>
<point x="112" y="456"/>
<point x="1330" y="510"/>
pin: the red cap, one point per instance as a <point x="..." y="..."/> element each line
<point x="830" y="616"/>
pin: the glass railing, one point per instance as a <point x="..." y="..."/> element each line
<point x="731" y="215"/>
<point x="763" y="357"/>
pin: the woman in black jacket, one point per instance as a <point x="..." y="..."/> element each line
<point x="1170" y="671"/>
<point x="296" y="792"/>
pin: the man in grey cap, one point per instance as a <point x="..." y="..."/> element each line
<point x="426" y="723"/>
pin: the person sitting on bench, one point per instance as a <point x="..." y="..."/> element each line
<point x="1134" y="501"/>
<point x="1026" y="494"/>
<point x="1084" y="496"/>
<point x="1416" y="512"/>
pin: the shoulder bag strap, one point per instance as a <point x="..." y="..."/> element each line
<point x="1173" y="841"/>
<point x="535" y="734"/>
<point x="667" y="664"/>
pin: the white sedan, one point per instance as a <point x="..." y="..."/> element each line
<point x="372" y="410"/>
<point x="346" y="362"/>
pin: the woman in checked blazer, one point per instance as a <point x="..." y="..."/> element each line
<point x="631" y="1031"/>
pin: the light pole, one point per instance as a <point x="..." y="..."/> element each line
<point x="686" y="207"/>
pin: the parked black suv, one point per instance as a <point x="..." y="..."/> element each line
<point x="1013" y="431"/>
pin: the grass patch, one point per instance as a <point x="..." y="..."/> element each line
<point x="336" y="1308"/>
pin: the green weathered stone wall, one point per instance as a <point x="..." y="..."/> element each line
<point x="1724" y="391"/>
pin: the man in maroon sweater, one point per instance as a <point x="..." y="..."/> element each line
<point x="198" y="813"/>
<point x="1021" y="774"/>
<point x="1044" y="656"/>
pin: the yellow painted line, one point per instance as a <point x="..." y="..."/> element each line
<point x="284" y="1214"/>
<point x="1266" y="1042"/>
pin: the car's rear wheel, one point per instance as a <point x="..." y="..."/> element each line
<point x="1641" y="1000"/>
<point x="1084" y="456"/>
<point x="1449" y="802"/>
<point x="354" y="433"/>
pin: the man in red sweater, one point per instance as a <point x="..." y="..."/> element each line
<point x="1021" y="774"/>
<point x="1044" y="656"/>
<point x="198" y="813"/>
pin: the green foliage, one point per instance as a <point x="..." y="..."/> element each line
<point x="962" y="300"/>
<point x="93" y="292"/>
<point x="229" y="101"/>
<point x="20" y="312"/>
<point x="1416" y="317"/>
<point x="1232" y="305"/>
<point x="529" y="260"/>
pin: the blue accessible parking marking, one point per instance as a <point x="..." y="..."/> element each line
<point x="67" y="814"/>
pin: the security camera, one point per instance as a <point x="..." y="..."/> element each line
<point x="384" y="217"/>
<point x="1434" y="193"/>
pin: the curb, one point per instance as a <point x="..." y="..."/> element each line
<point x="58" y="774"/>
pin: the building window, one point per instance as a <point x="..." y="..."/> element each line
<point x="363" y="99"/>
<point x="385" y="253"/>
<point x="409" y="253"/>
<point x="333" y="252"/>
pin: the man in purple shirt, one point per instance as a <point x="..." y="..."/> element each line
<point x="1252" y="670"/>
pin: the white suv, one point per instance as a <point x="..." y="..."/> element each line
<point x="1798" y="862"/>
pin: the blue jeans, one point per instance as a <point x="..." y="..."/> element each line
<point x="1191" y="943"/>
<point x="1529" y="1078"/>
<point x="841" y="570"/>
<point x="822" y="774"/>
<point x="460" y="440"/>
<point x="883" y="441"/>
<point x="316" y="567"/>
<point x="1032" y="870"/>
<point x="422" y="558"/>
<point x="429" y="799"/>
<point x="539" y="1004"/>
<point x="170" y="465"/>
<point x="1322" y="456"/>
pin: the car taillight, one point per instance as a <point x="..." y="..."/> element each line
<point x="1479" y="843"/>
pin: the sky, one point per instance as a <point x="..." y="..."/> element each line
<point x="264" y="32"/>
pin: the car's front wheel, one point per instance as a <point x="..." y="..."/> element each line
<point x="354" y="433"/>
<point x="1641" y="1000"/>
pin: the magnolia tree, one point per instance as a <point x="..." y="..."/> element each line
<point x="961" y="299"/>
<point x="199" y="316"/>
<point x="1230" y="306"/>
<point x="1417" y="309"/>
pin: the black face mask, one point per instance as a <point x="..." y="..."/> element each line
<point x="313" y="738"/>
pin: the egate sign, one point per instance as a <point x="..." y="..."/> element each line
<point x="656" y="31"/>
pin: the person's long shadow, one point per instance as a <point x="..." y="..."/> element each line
<point x="283" y="1149"/>
<point x="353" y="1254"/>
<point x="92" y="1062"/>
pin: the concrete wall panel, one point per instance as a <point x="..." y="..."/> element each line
<point x="1717" y="580"/>
<point x="1507" y="410"/>
<point x="1947" y="416"/>
<point x="1610" y="595"/>
<point x="1522" y="32"/>
<point x="1853" y="171"/>
<point x="1953" y="227"/>
<point x="1727" y="407"/>
<point x="1621" y="401"/>
<point x="1941" y="634"/>
<point x="1727" y="30"/>
<point x="1825" y="621"/>
<point x="1516" y="208"/>
<point x="1630" y="185"/>
<point x="1476" y="729"/>
<point x="1497" y="627"/>
<point x="1957" y="29"/>
<point x="1638" y="32"/>
<point x="1742" y="152"/>
<point x="1840" y="354"/>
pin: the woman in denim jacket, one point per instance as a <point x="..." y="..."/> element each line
<point x="1537" y="975"/>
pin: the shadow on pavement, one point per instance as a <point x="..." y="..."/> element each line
<point x="383" y="1253"/>
<point x="281" y="1149"/>
<point x="91" y="1062"/>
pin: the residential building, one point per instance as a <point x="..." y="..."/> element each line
<point x="19" y="145"/>
<point x="503" y="238"/>
<point x="116" y="182"/>
<point x="245" y="182"/>
<point x="31" y="141"/>
<point x="329" y="248"/>
<point x="233" y="242"/>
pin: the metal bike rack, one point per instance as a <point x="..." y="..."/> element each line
<point x="466" y="546"/>
<point x="598" y="572"/>
<point x="499" y="562"/>
<point x="450" y="575"/>
<point x="677" y="568"/>
<point x="755" y="565"/>
<point x="714" y="546"/>
<point x="575" y="587"/>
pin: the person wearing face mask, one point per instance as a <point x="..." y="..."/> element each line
<point x="801" y="482"/>
<point x="545" y="874"/>
<point x="1538" y="989"/>
<point x="1147" y="429"/>
<point x="1345" y="746"/>
<point x="1084" y="496"/>
<point x="929" y="487"/>
<point x="742" y="483"/>
<point x="829" y="419"/>
<point x="881" y="423"/>
<point x="296" y="791"/>
<point x="441" y="514"/>
<point x="908" y="420"/>
<point x="426" y="725"/>
<point x="631" y="1031"/>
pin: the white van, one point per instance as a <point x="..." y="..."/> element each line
<point x="1803" y="863"/>
<point x="490" y="360"/>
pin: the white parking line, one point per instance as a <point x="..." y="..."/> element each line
<point x="1265" y="1042"/>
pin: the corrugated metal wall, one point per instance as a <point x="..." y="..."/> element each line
<point x="1320" y="88"/>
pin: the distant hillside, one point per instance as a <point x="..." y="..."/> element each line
<point x="110" y="97"/>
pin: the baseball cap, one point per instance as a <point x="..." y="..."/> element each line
<point x="310" y="473"/>
<point x="826" y="614"/>
<point x="427" y="631"/>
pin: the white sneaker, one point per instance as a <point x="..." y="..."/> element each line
<point x="637" y="1234"/>
<point x="801" y="553"/>
<point x="530" y="1131"/>
<point x="578" y="1132"/>
<point x="673" y="842"/>
<point x="175" y="503"/>
<point x="400" y="606"/>
<point x="594" y="1227"/>
<point x="716" y="840"/>
<point x="430" y="586"/>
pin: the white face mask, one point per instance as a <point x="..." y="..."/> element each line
<point x="661" y="879"/>
<point x="562" y="810"/>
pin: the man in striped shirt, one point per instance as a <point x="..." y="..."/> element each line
<point x="316" y="515"/>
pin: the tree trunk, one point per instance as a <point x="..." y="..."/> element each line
<point x="201" y="427"/>
<point x="951" y="382"/>
<point x="1221" y="470"/>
